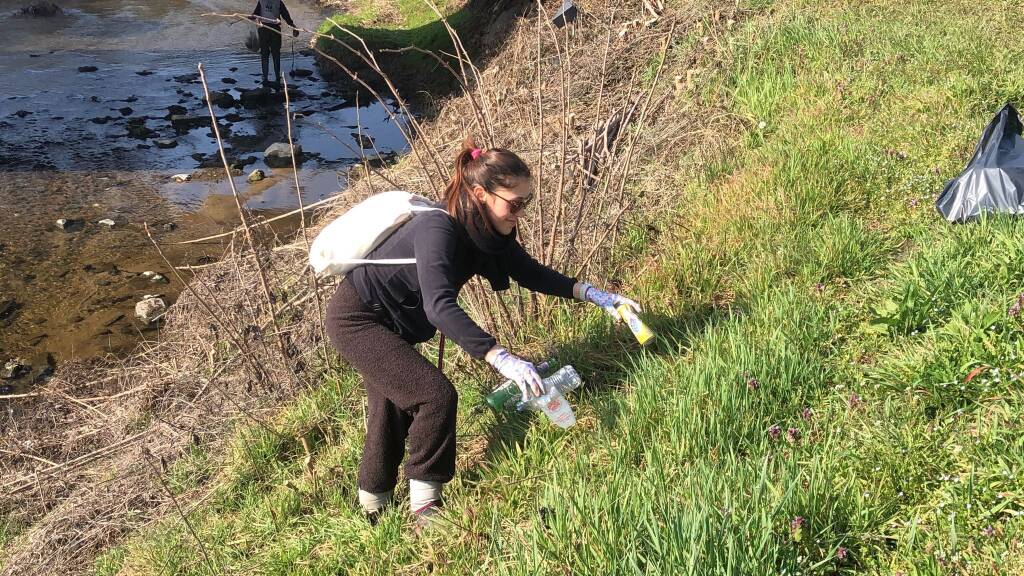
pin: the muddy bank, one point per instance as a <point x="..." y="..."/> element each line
<point x="72" y="292"/>
<point x="102" y="105"/>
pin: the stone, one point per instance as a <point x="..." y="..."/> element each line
<point x="144" y="72"/>
<point x="363" y="140"/>
<point x="101" y="119"/>
<point x="8" y="310"/>
<point x="221" y="99"/>
<point x="126" y="111"/>
<point x="41" y="10"/>
<point x="187" y="78"/>
<point x="176" y="110"/>
<point x="279" y="155"/>
<point x="169" y="227"/>
<point x="70" y="224"/>
<point x="189" y="121"/>
<point x="22" y="113"/>
<point x="256" y="97"/>
<point x="13" y="368"/>
<point x="300" y="73"/>
<point x="41" y="367"/>
<point x="149" y="309"/>
<point x="87" y="68"/>
<point x="181" y="177"/>
<point x="165" y="143"/>
<point x="107" y="222"/>
<point x="256" y="175"/>
<point x="139" y="130"/>
<point x="229" y="80"/>
<point x="155" y="277"/>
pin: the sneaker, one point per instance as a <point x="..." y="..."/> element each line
<point x="425" y="517"/>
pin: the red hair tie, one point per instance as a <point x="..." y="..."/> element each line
<point x="475" y="153"/>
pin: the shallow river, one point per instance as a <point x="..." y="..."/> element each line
<point x="86" y="100"/>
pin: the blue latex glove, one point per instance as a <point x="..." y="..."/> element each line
<point x="606" y="300"/>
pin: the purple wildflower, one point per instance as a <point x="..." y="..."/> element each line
<point x="752" y="382"/>
<point x="989" y="531"/>
<point x="819" y="287"/>
<point x="854" y="401"/>
<point x="841" y="553"/>
<point x="796" y="523"/>
<point x="793" y="435"/>
<point x="807" y="413"/>
<point x="1014" y="310"/>
<point x="775" y="431"/>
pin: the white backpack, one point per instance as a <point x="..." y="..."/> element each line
<point x="344" y="243"/>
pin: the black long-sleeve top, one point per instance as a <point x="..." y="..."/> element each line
<point x="284" y="15"/>
<point x="418" y="299"/>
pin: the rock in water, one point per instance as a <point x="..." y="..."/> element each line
<point x="256" y="97"/>
<point x="165" y="143"/>
<point x="138" y="129"/>
<point x="149" y="309"/>
<point x="41" y="10"/>
<point x="301" y="73"/>
<point x="279" y="155"/>
<point x="221" y="99"/>
<point x="13" y="368"/>
<point x="364" y="140"/>
<point x="179" y="178"/>
<point x="8" y="309"/>
<point x="189" y="121"/>
<point x="256" y="175"/>
<point x="70" y="224"/>
<point x="155" y="277"/>
<point x="87" y="68"/>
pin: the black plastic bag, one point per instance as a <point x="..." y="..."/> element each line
<point x="994" y="178"/>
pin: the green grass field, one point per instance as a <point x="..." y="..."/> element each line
<point x="836" y="388"/>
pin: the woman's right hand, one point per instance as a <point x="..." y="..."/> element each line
<point x="523" y="373"/>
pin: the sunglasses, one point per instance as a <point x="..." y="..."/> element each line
<point x="517" y="205"/>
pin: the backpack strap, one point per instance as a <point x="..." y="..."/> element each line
<point x="440" y="352"/>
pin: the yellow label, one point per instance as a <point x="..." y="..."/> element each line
<point x="643" y="334"/>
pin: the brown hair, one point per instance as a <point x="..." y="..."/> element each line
<point x="493" y="167"/>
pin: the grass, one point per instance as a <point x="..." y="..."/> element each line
<point x="397" y="24"/>
<point x="837" y="385"/>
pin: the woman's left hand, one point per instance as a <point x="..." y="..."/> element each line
<point x="607" y="300"/>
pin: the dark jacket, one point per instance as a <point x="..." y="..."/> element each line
<point x="258" y="11"/>
<point x="415" y="300"/>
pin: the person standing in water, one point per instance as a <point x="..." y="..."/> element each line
<point x="269" y="14"/>
<point x="379" y="312"/>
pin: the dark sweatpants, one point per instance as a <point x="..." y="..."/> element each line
<point x="408" y="397"/>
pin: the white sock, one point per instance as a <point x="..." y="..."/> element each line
<point x="374" y="501"/>
<point x="422" y="493"/>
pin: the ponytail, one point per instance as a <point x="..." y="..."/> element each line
<point x="491" y="168"/>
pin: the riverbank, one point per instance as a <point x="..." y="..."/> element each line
<point x="835" y="389"/>
<point x="103" y="107"/>
<point x="411" y="45"/>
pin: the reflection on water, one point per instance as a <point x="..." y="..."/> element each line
<point x="93" y="144"/>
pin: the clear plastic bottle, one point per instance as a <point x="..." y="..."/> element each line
<point x="505" y="396"/>
<point x="553" y="403"/>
